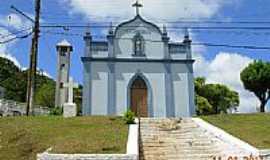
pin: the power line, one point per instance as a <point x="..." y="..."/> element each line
<point x="63" y="33"/>
<point x="15" y="33"/>
<point x="159" y="41"/>
<point x="174" y="22"/>
<point x="239" y="32"/>
<point x="231" y="46"/>
<point x="169" y="27"/>
<point x="22" y="13"/>
<point x="16" y="37"/>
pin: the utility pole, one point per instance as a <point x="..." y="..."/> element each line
<point x="33" y="62"/>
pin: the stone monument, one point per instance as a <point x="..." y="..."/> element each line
<point x="64" y="49"/>
<point x="70" y="108"/>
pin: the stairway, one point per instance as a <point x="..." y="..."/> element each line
<point x="179" y="139"/>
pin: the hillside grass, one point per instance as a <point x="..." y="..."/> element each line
<point x="252" y="128"/>
<point x="21" y="138"/>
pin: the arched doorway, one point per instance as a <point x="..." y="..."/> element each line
<point x="138" y="97"/>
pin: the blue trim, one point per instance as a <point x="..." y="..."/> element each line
<point x="149" y="93"/>
<point x="191" y="92"/>
<point x="111" y="105"/>
<point x="148" y="60"/>
<point x="87" y="90"/>
<point x="169" y="88"/>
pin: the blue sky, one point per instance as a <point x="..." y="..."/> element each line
<point x="218" y="64"/>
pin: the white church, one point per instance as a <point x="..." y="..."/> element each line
<point x="140" y="69"/>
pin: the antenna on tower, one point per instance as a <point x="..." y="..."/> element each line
<point x="88" y="30"/>
<point x="186" y="32"/>
<point x="111" y="28"/>
<point x="165" y="30"/>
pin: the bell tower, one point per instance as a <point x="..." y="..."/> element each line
<point x="64" y="49"/>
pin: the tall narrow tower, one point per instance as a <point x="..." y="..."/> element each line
<point x="64" y="50"/>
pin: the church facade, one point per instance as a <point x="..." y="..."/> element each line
<point x="138" y="68"/>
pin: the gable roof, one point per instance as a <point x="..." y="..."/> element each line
<point x="64" y="43"/>
<point x="134" y="19"/>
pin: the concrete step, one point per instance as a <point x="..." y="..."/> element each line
<point x="175" y="139"/>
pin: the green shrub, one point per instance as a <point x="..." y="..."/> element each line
<point x="56" y="111"/>
<point x="129" y="117"/>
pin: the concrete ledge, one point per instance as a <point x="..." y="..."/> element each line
<point x="133" y="140"/>
<point x="226" y="137"/>
<point x="265" y="153"/>
<point x="48" y="156"/>
<point x="132" y="151"/>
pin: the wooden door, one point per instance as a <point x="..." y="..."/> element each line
<point x="139" y="97"/>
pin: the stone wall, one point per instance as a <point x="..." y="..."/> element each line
<point x="12" y="108"/>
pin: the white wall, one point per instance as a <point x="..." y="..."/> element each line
<point x="180" y="85"/>
<point x="99" y="78"/>
<point x="97" y="85"/>
<point x="153" y="39"/>
<point x="153" y="72"/>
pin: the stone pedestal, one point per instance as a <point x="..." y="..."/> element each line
<point x="70" y="110"/>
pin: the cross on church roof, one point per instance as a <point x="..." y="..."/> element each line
<point x="138" y="6"/>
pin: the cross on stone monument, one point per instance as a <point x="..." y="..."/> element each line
<point x="70" y="85"/>
<point x="138" y="6"/>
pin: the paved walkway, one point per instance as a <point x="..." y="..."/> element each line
<point x="180" y="139"/>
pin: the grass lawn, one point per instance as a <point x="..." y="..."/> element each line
<point x="252" y="128"/>
<point x="21" y="138"/>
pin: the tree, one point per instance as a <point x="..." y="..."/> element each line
<point x="15" y="83"/>
<point x="214" y="98"/>
<point x="15" y="87"/>
<point x="220" y="97"/>
<point x="45" y="95"/>
<point x="199" y="83"/>
<point x="256" y="78"/>
<point x="7" y="69"/>
<point x="203" y="106"/>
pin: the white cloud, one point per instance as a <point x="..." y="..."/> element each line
<point x="40" y="72"/>
<point x="225" y="68"/>
<point x="4" y="47"/>
<point x="4" y="36"/>
<point x="44" y="73"/>
<point x="100" y="10"/>
<point x="11" y="58"/>
<point x="47" y="75"/>
<point x="11" y="21"/>
<point x="14" y="21"/>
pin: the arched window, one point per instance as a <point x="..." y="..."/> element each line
<point x="138" y="45"/>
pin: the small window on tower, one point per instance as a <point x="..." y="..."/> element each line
<point x="63" y="53"/>
<point x="62" y="66"/>
<point x="61" y="85"/>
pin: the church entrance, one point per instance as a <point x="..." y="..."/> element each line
<point x="139" y="97"/>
